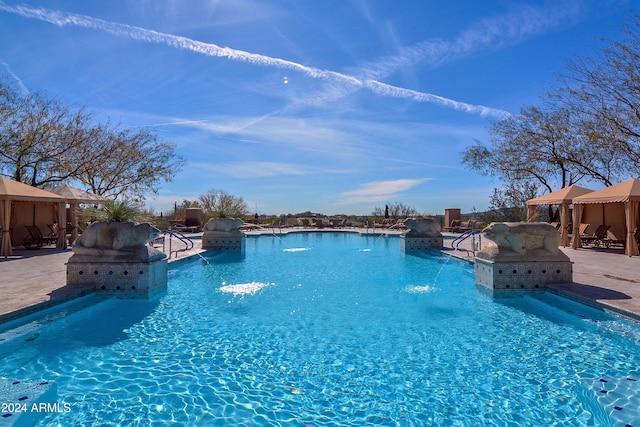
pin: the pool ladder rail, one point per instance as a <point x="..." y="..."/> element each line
<point x="476" y="244"/>
<point x="171" y="234"/>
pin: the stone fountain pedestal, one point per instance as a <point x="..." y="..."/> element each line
<point x="423" y="234"/>
<point x="527" y="257"/>
<point x="223" y="234"/>
<point x="115" y="257"/>
<point x="223" y="241"/>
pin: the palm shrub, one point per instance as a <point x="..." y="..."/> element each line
<point x="118" y="211"/>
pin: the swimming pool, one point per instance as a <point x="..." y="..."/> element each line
<point x="330" y="329"/>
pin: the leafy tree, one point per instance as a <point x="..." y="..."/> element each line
<point x="603" y="93"/>
<point x="588" y="129"/>
<point x="222" y="204"/>
<point x="43" y="142"/>
<point x="130" y="163"/>
<point x="39" y="138"/>
<point x="535" y="146"/>
<point x="396" y="210"/>
<point x="509" y="202"/>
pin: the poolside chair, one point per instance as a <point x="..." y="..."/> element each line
<point x="400" y="224"/>
<point x="178" y="226"/>
<point x="596" y="238"/>
<point x="37" y="238"/>
<point x="336" y="223"/>
<point x="466" y="226"/>
<point x="455" y="223"/>
<point x="622" y="242"/>
<point x="608" y="242"/>
<point x="582" y="229"/>
<point x="304" y="222"/>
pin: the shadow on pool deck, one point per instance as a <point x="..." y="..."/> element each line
<point x="34" y="279"/>
<point x="593" y="292"/>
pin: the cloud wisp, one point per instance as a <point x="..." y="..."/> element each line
<point x="378" y="191"/>
<point x="19" y="81"/>
<point x="137" y="33"/>
<point x="252" y="169"/>
<point x="491" y="33"/>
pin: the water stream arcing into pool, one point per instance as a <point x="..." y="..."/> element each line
<point x="330" y="329"/>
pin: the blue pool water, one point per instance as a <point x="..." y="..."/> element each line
<point x="335" y="329"/>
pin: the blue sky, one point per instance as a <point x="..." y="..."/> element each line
<point x="333" y="106"/>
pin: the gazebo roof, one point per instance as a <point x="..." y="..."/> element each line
<point x="564" y="195"/>
<point x="623" y="192"/>
<point x="14" y="190"/>
<point x="76" y="195"/>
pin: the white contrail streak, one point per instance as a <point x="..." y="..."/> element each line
<point x="19" y="82"/>
<point x="122" y="30"/>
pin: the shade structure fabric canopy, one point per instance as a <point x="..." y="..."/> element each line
<point x="619" y="193"/>
<point x="11" y="191"/>
<point x="75" y="197"/>
<point x="563" y="198"/>
<point x="72" y="194"/>
<point x="628" y="193"/>
<point x="558" y="197"/>
<point x="14" y="190"/>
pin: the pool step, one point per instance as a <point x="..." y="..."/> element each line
<point x="25" y="402"/>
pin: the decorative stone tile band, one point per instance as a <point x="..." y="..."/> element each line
<point x="409" y="244"/>
<point x="135" y="277"/>
<point x="223" y="241"/>
<point x="521" y="275"/>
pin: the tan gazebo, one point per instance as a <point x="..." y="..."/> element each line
<point x="563" y="198"/>
<point x="13" y="196"/>
<point x="75" y="197"/>
<point x="627" y="194"/>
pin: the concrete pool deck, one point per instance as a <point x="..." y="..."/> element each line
<point x="31" y="280"/>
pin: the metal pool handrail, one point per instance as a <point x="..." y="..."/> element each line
<point x="455" y="244"/>
<point x="188" y="243"/>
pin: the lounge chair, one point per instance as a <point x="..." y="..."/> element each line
<point x="336" y="223"/>
<point x="582" y="229"/>
<point x="466" y="226"/>
<point x="455" y="223"/>
<point x="400" y="224"/>
<point x="37" y="238"/>
<point x="178" y="226"/>
<point x="608" y="242"/>
<point x="622" y="242"/>
<point x="304" y="222"/>
<point x="596" y="238"/>
<point x="388" y="222"/>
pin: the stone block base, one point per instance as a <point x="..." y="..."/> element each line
<point x="144" y="278"/>
<point x="409" y="244"/>
<point x="223" y="241"/>
<point x="521" y="275"/>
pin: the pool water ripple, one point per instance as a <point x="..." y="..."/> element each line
<point x="339" y="337"/>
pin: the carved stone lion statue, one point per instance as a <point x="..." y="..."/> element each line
<point x="118" y="239"/>
<point x="223" y="224"/>
<point x="521" y="239"/>
<point x="427" y="227"/>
